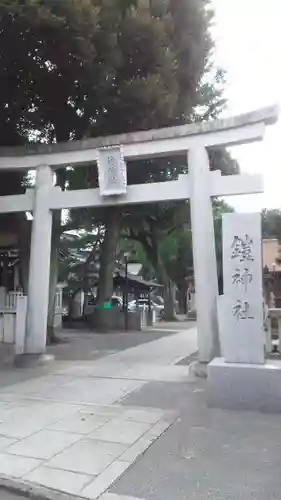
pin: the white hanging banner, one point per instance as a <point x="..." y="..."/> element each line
<point x="112" y="171"/>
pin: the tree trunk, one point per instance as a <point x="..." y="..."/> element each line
<point x="185" y="308"/>
<point x="169" y="292"/>
<point x="169" y="301"/>
<point x="107" y="268"/>
<point x="183" y="299"/>
<point x="51" y="337"/>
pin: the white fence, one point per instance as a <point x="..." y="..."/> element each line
<point x="58" y="303"/>
<point x="148" y="318"/>
<point x="273" y="335"/>
<point x="11" y="299"/>
<point x="191" y="301"/>
<point x="13" y="306"/>
<point x="12" y="324"/>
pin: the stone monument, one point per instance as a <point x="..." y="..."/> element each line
<point x="241" y="306"/>
<point x="243" y="378"/>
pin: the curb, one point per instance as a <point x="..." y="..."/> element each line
<point x="33" y="492"/>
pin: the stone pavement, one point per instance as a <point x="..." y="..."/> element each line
<point x="134" y="425"/>
<point x="68" y="430"/>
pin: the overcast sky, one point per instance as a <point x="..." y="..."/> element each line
<point x="248" y="36"/>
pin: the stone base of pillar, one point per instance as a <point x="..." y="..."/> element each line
<point x="33" y="360"/>
<point x="198" y="369"/>
<point x="237" y="386"/>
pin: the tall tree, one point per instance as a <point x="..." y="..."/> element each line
<point x="76" y="68"/>
<point x="164" y="49"/>
<point x="45" y="78"/>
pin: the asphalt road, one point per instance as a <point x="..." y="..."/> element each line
<point x="4" y="495"/>
<point x="207" y="453"/>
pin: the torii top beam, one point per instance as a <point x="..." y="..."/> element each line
<point x="146" y="144"/>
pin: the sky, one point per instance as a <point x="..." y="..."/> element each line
<point x="248" y="47"/>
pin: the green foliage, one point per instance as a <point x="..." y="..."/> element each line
<point x="175" y="248"/>
<point x="175" y="252"/>
<point x="271" y="223"/>
<point x="271" y="229"/>
<point x="176" y="255"/>
<point x="138" y="255"/>
<point x="78" y="255"/>
<point x="45" y="60"/>
<point x="90" y="67"/>
<point x="220" y="159"/>
<point x="76" y="68"/>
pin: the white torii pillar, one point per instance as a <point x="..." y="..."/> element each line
<point x="204" y="253"/>
<point x="39" y="264"/>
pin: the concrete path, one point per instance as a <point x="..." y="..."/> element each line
<point x="133" y="425"/>
<point x="68" y="430"/>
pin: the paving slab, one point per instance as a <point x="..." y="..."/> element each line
<point x="121" y="431"/>
<point x="14" y="466"/>
<point x="80" y="423"/>
<point x="43" y="444"/>
<point x="87" y="456"/>
<point x="60" y="480"/>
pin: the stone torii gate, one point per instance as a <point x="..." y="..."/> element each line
<point x="200" y="185"/>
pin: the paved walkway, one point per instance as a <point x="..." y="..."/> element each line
<point x="68" y="430"/>
<point x="133" y="425"/>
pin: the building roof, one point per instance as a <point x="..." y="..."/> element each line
<point x="134" y="281"/>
